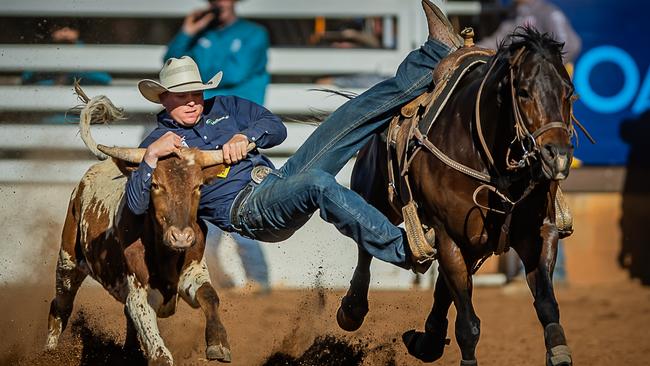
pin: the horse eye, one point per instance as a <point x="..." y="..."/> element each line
<point x="523" y="93"/>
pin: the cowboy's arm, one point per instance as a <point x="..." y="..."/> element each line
<point x="249" y="60"/>
<point x="258" y="124"/>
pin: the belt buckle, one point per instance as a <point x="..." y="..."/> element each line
<point x="259" y="173"/>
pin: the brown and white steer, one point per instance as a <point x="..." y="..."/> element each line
<point x="142" y="261"/>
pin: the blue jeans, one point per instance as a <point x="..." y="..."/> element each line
<point x="287" y="198"/>
<point x="250" y="252"/>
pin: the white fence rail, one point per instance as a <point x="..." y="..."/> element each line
<point x="135" y="59"/>
<point x="280" y="98"/>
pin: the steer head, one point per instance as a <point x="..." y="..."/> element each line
<point x="175" y="191"/>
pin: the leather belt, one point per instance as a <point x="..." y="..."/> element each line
<point x="257" y="176"/>
<point x="241" y="197"/>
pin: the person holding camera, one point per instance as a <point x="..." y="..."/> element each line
<point x="218" y="40"/>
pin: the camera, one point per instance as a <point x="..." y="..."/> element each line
<point x="213" y="9"/>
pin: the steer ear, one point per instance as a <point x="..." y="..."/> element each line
<point x="125" y="167"/>
<point x="214" y="172"/>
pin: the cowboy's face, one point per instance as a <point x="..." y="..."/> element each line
<point x="184" y="108"/>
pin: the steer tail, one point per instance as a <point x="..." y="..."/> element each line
<point x="95" y="110"/>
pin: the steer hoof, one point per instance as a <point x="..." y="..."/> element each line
<point x="219" y="353"/>
<point x="424" y="346"/>
<point x="161" y="361"/>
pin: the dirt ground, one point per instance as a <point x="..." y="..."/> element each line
<point x="605" y="325"/>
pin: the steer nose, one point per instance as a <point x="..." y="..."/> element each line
<point x="181" y="239"/>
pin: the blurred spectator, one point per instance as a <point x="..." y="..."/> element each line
<point x="66" y="32"/>
<point x="63" y="33"/>
<point x="220" y="41"/>
<point x="352" y="35"/>
<point x="635" y="251"/>
<point x="546" y="18"/>
<point x="252" y="258"/>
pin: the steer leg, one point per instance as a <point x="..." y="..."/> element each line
<point x="539" y="261"/>
<point x="354" y="305"/>
<point x="145" y="322"/>
<point x="68" y="279"/>
<point x="429" y="345"/>
<point x="195" y="288"/>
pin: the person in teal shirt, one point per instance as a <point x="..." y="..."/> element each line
<point x="220" y="41"/>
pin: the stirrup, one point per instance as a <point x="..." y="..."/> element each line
<point x="423" y="252"/>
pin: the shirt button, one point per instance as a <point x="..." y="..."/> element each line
<point x="253" y="139"/>
<point x="216" y="147"/>
<point x="205" y="137"/>
<point x="148" y="174"/>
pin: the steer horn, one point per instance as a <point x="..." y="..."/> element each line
<point x="128" y="154"/>
<point x="215" y="157"/>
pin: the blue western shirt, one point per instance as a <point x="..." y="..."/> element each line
<point x="223" y="117"/>
<point x="238" y="49"/>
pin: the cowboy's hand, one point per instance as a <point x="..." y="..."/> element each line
<point x="196" y="21"/>
<point x="235" y="149"/>
<point x="168" y="143"/>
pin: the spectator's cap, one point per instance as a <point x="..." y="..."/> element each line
<point x="178" y="75"/>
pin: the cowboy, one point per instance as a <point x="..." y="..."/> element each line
<point x="260" y="202"/>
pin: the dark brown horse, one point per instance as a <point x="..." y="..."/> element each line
<point x="525" y="123"/>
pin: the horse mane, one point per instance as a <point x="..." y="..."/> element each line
<point x="526" y="36"/>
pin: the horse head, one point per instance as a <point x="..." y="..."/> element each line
<point x="540" y="92"/>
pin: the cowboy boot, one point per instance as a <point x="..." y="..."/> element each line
<point x="439" y="27"/>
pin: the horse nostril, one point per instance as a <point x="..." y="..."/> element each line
<point x="551" y="150"/>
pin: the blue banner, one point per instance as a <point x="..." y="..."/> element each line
<point x="612" y="75"/>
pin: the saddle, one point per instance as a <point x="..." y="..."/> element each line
<point x="412" y="124"/>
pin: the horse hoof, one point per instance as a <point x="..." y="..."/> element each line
<point x="559" y="355"/>
<point x="219" y="353"/>
<point x="424" y="346"/>
<point x="347" y="323"/>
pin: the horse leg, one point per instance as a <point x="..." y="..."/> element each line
<point x="459" y="282"/>
<point x="195" y="288"/>
<point x="429" y="345"/>
<point x="354" y="305"/>
<point x="539" y="263"/>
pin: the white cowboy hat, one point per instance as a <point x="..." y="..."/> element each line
<point x="178" y="75"/>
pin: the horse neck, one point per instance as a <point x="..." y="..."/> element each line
<point x="496" y="119"/>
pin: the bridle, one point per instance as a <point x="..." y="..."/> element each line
<point x="526" y="139"/>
